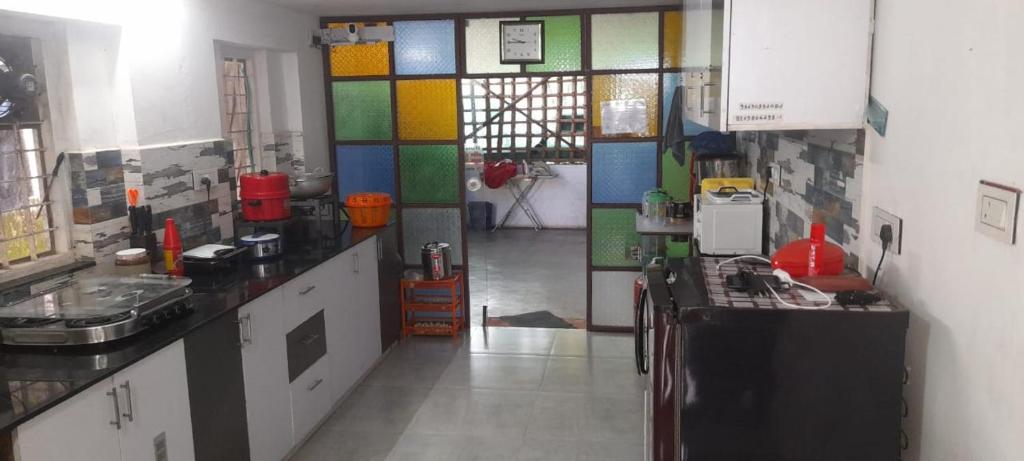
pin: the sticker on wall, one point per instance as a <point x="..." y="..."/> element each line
<point x="624" y="116"/>
<point x="758" y="112"/>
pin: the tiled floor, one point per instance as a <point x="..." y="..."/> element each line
<point x="497" y="394"/>
<point x="514" y="271"/>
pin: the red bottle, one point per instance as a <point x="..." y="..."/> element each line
<point x="172" y="249"/>
<point x="816" y="252"/>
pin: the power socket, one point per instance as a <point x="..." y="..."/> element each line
<point x="880" y="217"/>
<point x="197" y="179"/>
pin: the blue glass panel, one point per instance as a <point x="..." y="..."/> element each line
<point x="624" y="171"/>
<point x="365" y="169"/>
<point x="669" y="83"/>
<point x="425" y="47"/>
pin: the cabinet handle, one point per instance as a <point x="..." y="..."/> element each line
<point x="309" y="339"/>
<point x="245" y="337"/>
<point x="703" y="87"/>
<point x="380" y="250"/>
<point x="355" y="259"/>
<point x="117" y="409"/>
<point x="307" y="290"/>
<point x="315" y="384"/>
<point x="127" y="386"/>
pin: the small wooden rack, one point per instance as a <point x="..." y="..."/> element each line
<point x="433" y="296"/>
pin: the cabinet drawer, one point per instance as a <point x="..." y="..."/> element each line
<point x="303" y="296"/>
<point x="311" y="399"/>
<point x="306" y="344"/>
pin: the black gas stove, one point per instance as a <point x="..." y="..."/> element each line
<point x="94" y="310"/>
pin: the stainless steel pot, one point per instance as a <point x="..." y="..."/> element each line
<point x="437" y="261"/>
<point x="719" y="167"/>
<point x="262" y="245"/>
<point x="309" y="185"/>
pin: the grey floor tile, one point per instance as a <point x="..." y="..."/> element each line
<point x="588" y="374"/>
<point x="423" y="447"/>
<point x="401" y="368"/>
<point x="487" y="371"/>
<point x="474" y="412"/>
<point x="348" y="445"/>
<point x="580" y="343"/>
<point x="380" y="408"/>
<point x="536" y="341"/>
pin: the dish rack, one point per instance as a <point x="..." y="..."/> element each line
<point x="432" y="307"/>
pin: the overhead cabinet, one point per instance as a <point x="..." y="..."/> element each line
<point x="777" y="64"/>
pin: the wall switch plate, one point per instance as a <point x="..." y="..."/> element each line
<point x="197" y="178"/>
<point x="775" y="173"/>
<point x="880" y="217"/>
<point x="997" y="211"/>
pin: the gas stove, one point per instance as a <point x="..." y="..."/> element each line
<point x="95" y="310"/>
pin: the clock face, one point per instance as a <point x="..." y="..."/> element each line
<point x="522" y="42"/>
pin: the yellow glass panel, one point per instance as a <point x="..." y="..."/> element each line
<point x="625" y="87"/>
<point x="673" y="48"/>
<point x="359" y="60"/>
<point x="426" y="109"/>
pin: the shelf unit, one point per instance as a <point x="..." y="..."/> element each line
<point x="432" y="297"/>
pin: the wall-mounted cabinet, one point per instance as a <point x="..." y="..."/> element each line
<point x="777" y="65"/>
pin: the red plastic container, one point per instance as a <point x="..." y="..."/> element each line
<point x="795" y="256"/>
<point x="172" y="249"/>
<point x="368" y="209"/>
<point x="265" y="196"/>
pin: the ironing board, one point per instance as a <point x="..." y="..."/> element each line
<point x="521" y="195"/>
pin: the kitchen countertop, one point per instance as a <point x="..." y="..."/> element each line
<point x="33" y="379"/>
<point x="674" y="226"/>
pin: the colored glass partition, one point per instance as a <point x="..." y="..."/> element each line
<point x="362" y="110"/>
<point x="425" y="47"/>
<point x="426" y="110"/>
<point x="360" y="59"/>
<point x="615" y="87"/>
<point x="430" y="173"/>
<point x="624" y="41"/>
<point x="483" y="47"/>
<point x="623" y="171"/>
<point x="365" y="168"/>
<point x="562" y="44"/>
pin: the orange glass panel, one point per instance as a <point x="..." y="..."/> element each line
<point x="359" y="60"/>
<point x="627" y="87"/>
<point x="673" y="49"/>
<point x="426" y="109"/>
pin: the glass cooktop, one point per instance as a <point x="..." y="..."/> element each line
<point x="97" y="297"/>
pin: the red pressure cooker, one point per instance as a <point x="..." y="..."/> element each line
<point x="265" y="196"/>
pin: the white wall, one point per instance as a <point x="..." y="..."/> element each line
<point x="560" y="202"/>
<point x="951" y="75"/>
<point x="166" y="53"/>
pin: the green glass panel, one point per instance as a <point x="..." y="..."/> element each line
<point x="429" y="173"/>
<point x="362" y="110"/>
<point x="677" y="249"/>
<point x="675" y="178"/>
<point x="561" y="44"/>
<point x="624" y="41"/>
<point x="613" y="234"/>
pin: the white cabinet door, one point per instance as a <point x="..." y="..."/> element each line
<point x="154" y="407"/>
<point x="367" y="309"/>
<point x="265" y="367"/>
<point x="311" y="397"/>
<point x="338" y="302"/>
<point x="79" y="429"/>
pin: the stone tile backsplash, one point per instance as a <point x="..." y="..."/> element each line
<point x="822" y="174"/>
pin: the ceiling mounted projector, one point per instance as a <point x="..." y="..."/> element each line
<point x="354" y="34"/>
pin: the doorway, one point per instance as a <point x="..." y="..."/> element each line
<point x="526" y="194"/>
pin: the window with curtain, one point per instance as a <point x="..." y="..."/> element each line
<point x="239" y="122"/>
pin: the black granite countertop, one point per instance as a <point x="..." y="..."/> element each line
<point x="33" y="379"/>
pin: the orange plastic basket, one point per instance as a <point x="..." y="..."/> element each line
<point x="368" y="209"/>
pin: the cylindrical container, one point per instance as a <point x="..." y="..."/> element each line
<point x="265" y="196"/>
<point x="368" y="209"/>
<point x="730" y="166"/>
<point x="172" y="249"/>
<point x="655" y="204"/>
<point x="437" y="261"/>
<point x="816" y="250"/>
<point x="132" y="262"/>
<point x="262" y="245"/>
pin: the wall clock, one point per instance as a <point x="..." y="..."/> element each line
<point x="522" y="42"/>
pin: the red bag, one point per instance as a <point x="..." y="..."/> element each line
<point x="496" y="174"/>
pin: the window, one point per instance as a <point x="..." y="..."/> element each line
<point x="26" y="230"/>
<point x="239" y="119"/>
<point x="526" y="118"/>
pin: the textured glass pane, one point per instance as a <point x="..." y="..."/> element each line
<point x="430" y="174"/>
<point x="627" y="86"/>
<point x="483" y="47"/>
<point x="426" y="109"/>
<point x="624" y="41"/>
<point x="425" y="47"/>
<point x="425" y="225"/>
<point x="623" y="171"/>
<point x="362" y="110"/>
<point x="359" y="60"/>
<point x="672" y="55"/>
<point x="675" y="178"/>
<point x="613" y="234"/>
<point x="561" y="44"/>
<point x="365" y="169"/>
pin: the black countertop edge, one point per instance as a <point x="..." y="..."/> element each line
<point x="35" y="379"/>
<point x="687" y="290"/>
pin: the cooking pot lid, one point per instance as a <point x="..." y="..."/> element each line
<point x="436" y="246"/>
<point x="260" y="237"/>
